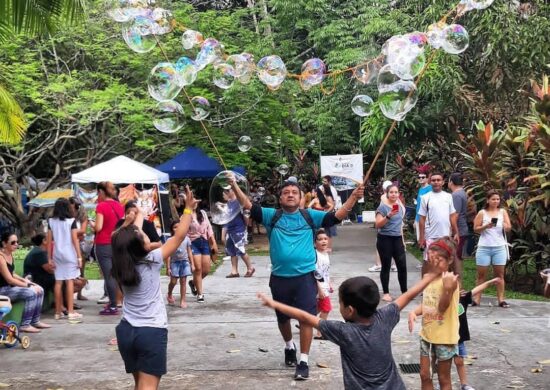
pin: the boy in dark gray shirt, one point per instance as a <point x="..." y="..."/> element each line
<point x="365" y="337"/>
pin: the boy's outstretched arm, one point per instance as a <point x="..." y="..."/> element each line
<point x="483" y="286"/>
<point x="292" y="312"/>
<point x="412" y="316"/>
<point x="408" y="296"/>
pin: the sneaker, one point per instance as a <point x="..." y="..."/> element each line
<point x="375" y="268"/>
<point x="302" y="371"/>
<point x="109" y="311"/>
<point x="60" y="316"/>
<point x="393" y="268"/>
<point x="200" y="298"/>
<point x="192" y="287"/>
<point x="103" y="300"/>
<point x="290" y="357"/>
<point x="75" y="317"/>
<point x="466" y="387"/>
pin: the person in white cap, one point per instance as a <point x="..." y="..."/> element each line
<point x="384" y="199"/>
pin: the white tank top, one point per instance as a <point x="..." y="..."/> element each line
<point x="493" y="236"/>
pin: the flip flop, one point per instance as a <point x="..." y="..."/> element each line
<point x="250" y="273"/>
<point x="233" y="276"/>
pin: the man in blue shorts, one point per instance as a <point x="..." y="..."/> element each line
<point x="290" y="231"/>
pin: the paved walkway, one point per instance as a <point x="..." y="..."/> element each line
<point x="216" y="345"/>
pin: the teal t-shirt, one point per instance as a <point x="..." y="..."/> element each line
<point x="291" y="242"/>
<point x="421" y="192"/>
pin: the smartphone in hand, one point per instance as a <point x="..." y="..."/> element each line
<point x="494" y="221"/>
<point x="395" y="207"/>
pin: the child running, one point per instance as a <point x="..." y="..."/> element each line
<point x="323" y="277"/>
<point x="179" y="267"/>
<point x="463" y="330"/>
<point x="365" y="337"/>
<point x="439" y="334"/>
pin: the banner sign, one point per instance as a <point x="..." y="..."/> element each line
<point x="346" y="170"/>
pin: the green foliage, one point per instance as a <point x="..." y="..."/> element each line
<point x="12" y="119"/>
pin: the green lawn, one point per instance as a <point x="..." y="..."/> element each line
<point x="469" y="278"/>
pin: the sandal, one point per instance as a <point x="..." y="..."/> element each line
<point x="250" y="273"/>
<point x="475" y="304"/>
<point x="319" y="338"/>
<point x="233" y="275"/>
<point x="504" y="305"/>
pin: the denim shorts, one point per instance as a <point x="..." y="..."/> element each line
<point x="180" y="268"/>
<point x="438" y="352"/>
<point x="142" y="348"/>
<point x="487" y="255"/>
<point x="462" y="349"/>
<point x="200" y="246"/>
<point x="299" y="292"/>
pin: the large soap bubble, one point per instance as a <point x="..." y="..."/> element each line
<point x="367" y="73"/>
<point x="164" y="82"/>
<point x="361" y="105"/>
<point x="417" y="38"/>
<point x="283" y="169"/>
<point x="201" y="108"/>
<point x="436" y="35"/>
<point x="162" y="21"/>
<point x="224" y="205"/>
<point x="224" y="75"/>
<point x="191" y="39"/>
<point x="124" y="10"/>
<point x="243" y="66"/>
<point x="268" y="140"/>
<point x="405" y="56"/>
<point x="456" y="39"/>
<point x="271" y="71"/>
<point x="244" y="143"/>
<point x="386" y="77"/>
<point x="138" y="34"/>
<point x="313" y="73"/>
<point x="469" y="5"/>
<point x="397" y="99"/>
<point x="168" y="117"/>
<point x="187" y="69"/>
<point x="211" y="50"/>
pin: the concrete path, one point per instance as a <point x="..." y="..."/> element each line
<point x="216" y="345"/>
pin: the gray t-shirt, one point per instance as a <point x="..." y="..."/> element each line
<point x="394" y="224"/>
<point x="367" y="360"/>
<point x="437" y="208"/>
<point x="460" y="201"/>
<point x="143" y="305"/>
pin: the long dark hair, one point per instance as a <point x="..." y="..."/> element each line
<point x="328" y="191"/>
<point x="321" y="197"/>
<point x="6" y="237"/>
<point x="61" y="209"/>
<point x="490" y="194"/>
<point x="200" y="215"/>
<point x="128" y="250"/>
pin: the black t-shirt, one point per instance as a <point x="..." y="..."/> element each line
<point x="148" y="228"/>
<point x="463" y="330"/>
<point x="35" y="259"/>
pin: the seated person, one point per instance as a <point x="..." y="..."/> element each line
<point x="36" y="264"/>
<point x="148" y="227"/>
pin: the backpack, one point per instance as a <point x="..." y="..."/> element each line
<point x="279" y="214"/>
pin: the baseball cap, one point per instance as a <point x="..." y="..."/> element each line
<point x="292" y="179"/>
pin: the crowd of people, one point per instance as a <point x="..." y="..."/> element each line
<point x="300" y="230"/>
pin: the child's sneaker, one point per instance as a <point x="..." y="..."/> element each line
<point x="375" y="268"/>
<point x="200" y="298"/>
<point x="192" y="287"/>
<point x="103" y="300"/>
<point x="466" y="387"/>
<point x="302" y="371"/>
<point x="290" y="356"/>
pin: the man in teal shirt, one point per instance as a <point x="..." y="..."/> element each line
<point x="294" y="260"/>
<point x="425" y="187"/>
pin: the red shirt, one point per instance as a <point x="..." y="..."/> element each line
<point x="112" y="211"/>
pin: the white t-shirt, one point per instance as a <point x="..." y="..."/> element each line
<point x="437" y="208"/>
<point x="323" y="267"/>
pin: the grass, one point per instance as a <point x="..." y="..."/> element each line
<point x="469" y="278"/>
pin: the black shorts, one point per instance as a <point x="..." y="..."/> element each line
<point x="299" y="292"/>
<point x="142" y="349"/>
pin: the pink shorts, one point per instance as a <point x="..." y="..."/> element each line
<point x="324" y="305"/>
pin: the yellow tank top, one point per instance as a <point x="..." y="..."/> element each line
<point x="439" y="328"/>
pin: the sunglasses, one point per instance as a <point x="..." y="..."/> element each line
<point x="421" y="176"/>
<point x="14" y="242"/>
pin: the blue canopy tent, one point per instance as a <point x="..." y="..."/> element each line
<point x="193" y="163"/>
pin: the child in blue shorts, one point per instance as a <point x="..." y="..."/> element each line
<point x="178" y="266"/>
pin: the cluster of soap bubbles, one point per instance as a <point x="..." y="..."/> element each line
<point x="224" y="206"/>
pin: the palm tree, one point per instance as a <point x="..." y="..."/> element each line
<point x="31" y="17"/>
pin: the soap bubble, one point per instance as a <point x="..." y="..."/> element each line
<point x="367" y="73"/>
<point x="397" y="99"/>
<point x="191" y="39"/>
<point x="312" y="143"/>
<point x="282" y="169"/>
<point x="417" y="38"/>
<point x="164" y="82"/>
<point x="187" y="70"/>
<point x="243" y="66"/>
<point x="201" y="108"/>
<point x="469" y="5"/>
<point x="168" y="117"/>
<point x="244" y="143"/>
<point x="211" y="50"/>
<point x="271" y="71"/>
<point x="138" y="34"/>
<point x="224" y="75"/>
<point x="362" y="105"/>
<point x="224" y="205"/>
<point x="405" y="56"/>
<point x="456" y="39"/>
<point x="268" y="140"/>
<point x="261" y="191"/>
<point x="436" y="35"/>
<point x="125" y="10"/>
<point x="313" y="73"/>
<point x="162" y="21"/>
<point x="386" y="77"/>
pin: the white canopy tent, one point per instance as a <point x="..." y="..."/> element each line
<point x="121" y="169"/>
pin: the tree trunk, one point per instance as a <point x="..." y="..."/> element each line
<point x="265" y="15"/>
<point x="251" y="5"/>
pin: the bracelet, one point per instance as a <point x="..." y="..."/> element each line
<point x="187" y="211"/>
